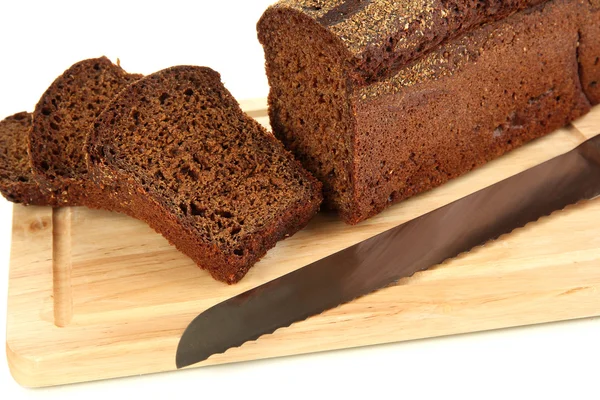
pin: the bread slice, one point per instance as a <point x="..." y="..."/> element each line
<point x="202" y="173"/>
<point x="61" y="122"/>
<point x="16" y="180"/>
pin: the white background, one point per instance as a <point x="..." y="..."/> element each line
<point x="40" y="40"/>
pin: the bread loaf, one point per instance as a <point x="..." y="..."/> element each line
<point x="384" y="99"/>
<point x="181" y="155"/>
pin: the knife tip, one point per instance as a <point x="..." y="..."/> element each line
<point x="185" y="359"/>
<point x="179" y="363"/>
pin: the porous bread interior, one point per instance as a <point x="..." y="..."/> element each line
<point x="186" y="143"/>
<point x="67" y="111"/>
<point x="14" y="162"/>
<point x="308" y="103"/>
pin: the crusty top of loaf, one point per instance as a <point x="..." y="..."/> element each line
<point x="381" y="36"/>
<point x="467" y="49"/>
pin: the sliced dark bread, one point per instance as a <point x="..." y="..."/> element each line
<point x="16" y="181"/>
<point x="61" y="122"/>
<point x="200" y="171"/>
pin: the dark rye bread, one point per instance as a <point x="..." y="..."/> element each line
<point x="16" y="180"/>
<point x="61" y="122"/>
<point x="373" y="142"/>
<point x="198" y="170"/>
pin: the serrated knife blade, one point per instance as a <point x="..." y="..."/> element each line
<point x="395" y="254"/>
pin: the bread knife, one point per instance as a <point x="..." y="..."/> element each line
<point x="395" y="254"/>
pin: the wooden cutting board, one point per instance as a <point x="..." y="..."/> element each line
<point x="95" y="295"/>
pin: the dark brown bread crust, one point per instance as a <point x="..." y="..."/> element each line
<point x="206" y="176"/>
<point x="61" y="122"/>
<point x="379" y="37"/>
<point x="453" y="109"/>
<point x="16" y="181"/>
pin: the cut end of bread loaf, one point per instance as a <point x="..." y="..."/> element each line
<point x="62" y="120"/>
<point x="308" y="105"/>
<point x="16" y="180"/>
<point x="191" y="164"/>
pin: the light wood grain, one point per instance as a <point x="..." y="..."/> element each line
<point x="131" y="294"/>
<point x="61" y="266"/>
